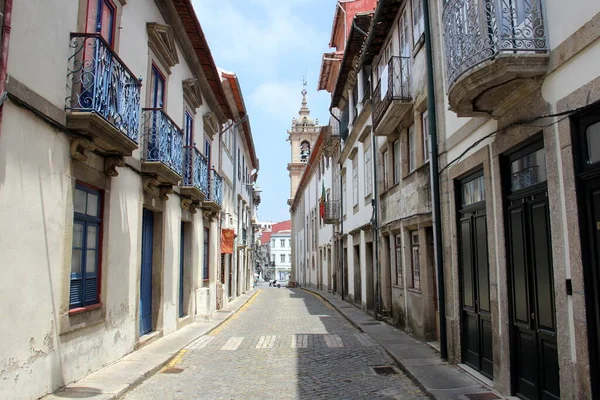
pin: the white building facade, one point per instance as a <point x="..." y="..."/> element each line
<point x="515" y="107"/>
<point x="118" y="240"/>
<point x="281" y="254"/>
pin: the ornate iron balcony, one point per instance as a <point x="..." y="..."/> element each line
<point x="395" y="85"/>
<point x="477" y="31"/>
<point x="195" y="170"/>
<point x="163" y="141"/>
<point x="99" y="82"/>
<point x="216" y="188"/>
<point x="332" y="212"/>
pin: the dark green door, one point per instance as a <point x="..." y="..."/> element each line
<point x="534" y="364"/>
<point x="586" y="152"/>
<point x="475" y="277"/>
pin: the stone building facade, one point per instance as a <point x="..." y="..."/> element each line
<point x="517" y="120"/>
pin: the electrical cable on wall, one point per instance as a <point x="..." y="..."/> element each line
<point x="526" y="122"/>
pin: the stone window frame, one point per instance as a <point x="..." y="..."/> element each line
<point x="368" y="172"/>
<point x="425" y="136"/>
<point x="398" y="261"/>
<point x="83" y="172"/>
<point x="396" y="161"/>
<point x="385" y="168"/>
<point x="415" y="259"/>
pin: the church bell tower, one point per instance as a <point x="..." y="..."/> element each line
<point x="302" y="137"/>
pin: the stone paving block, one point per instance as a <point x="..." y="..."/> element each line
<point x="291" y="346"/>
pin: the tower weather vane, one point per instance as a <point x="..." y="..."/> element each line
<point x="304" y="83"/>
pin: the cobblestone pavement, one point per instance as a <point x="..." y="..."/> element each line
<point x="284" y="344"/>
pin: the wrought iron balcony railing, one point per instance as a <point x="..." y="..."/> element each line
<point x="99" y="81"/>
<point x="163" y="140"/>
<point x="477" y="31"/>
<point x="332" y="212"/>
<point x="195" y="170"/>
<point x="394" y="85"/>
<point x="216" y="188"/>
<point x="244" y="236"/>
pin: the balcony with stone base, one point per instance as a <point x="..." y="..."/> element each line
<point x="496" y="54"/>
<point x="103" y="101"/>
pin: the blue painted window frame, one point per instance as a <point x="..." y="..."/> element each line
<point x="85" y="286"/>
<point x="157" y="77"/>
<point x="207" y="152"/>
<point x="189" y="128"/>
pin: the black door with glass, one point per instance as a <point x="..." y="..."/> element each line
<point x="534" y="364"/>
<point x="475" y="277"/>
<point x="586" y="154"/>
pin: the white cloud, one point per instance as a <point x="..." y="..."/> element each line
<point x="277" y="100"/>
<point x="258" y="39"/>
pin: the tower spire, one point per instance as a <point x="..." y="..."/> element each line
<point x="304" y="111"/>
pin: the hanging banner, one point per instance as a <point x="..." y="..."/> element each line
<point x="227" y="236"/>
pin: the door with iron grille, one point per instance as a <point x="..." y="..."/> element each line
<point x="476" y="318"/>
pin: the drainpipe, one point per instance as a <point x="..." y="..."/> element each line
<point x="375" y="204"/>
<point x="6" y="27"/>
<point x="341" y="261"/>
<point x="341" y="243"/>
<point x="435" y="185"/>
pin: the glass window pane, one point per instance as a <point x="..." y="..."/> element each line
<point x="77" y="235"/>
<point x="473" y="191"/>
<point x="92" y="237"/>
<point x="90" y="261"/>
<point x="593" y="140"/>
<point x="79" y="200"/>
<point x="76" y="261"/>
<point x="528" y="170"/>
<point x="92" y="204"/>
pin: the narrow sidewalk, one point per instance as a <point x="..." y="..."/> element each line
<point x="422" y="363"/>
<point x="113" y="381"/>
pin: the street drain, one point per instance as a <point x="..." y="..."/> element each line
<point x="172" y="370"/>
<point x="370" y="323"/>
<point x="482" y="396"/>
<point x="385" y="370"/>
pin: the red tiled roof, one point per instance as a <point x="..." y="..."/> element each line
<point x="241" y="106"/>
<point x="265" y="237"/>
<point x="276" y="228"/>
<point x="282" y="226"/>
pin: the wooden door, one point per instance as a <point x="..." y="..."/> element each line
<point x="146" y="273"/>
<point x="476" y="315"/>
<point x="533" y="324"/>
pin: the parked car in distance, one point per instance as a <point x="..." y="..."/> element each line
<point x="282" y="284"/>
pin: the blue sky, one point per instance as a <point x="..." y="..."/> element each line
<point x="270" y="44"/>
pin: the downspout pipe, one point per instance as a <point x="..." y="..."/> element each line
<point x="6" y="28"/>
<point x="435" y="185"/>
<point x="341" y="260"/>
<point x="341" y="244"/>
<point x="375" y="204"/>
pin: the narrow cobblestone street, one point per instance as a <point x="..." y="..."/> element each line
<point x="284" y="344"/>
